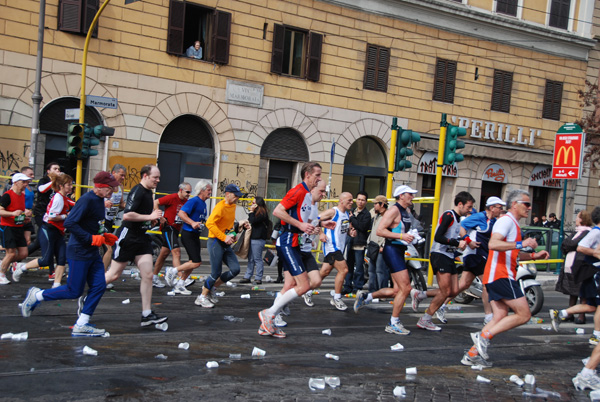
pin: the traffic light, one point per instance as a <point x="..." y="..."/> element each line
<point x="404" y="142"/>
<point x="92" y="138"/>
<point x="74" y="140"/>
<point x="453" y="144"/>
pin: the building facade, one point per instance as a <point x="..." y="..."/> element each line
<point x="277" y="83"/>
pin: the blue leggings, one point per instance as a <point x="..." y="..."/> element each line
<point x="221" y="253"/>
<point x="53" y="245"/>
<point x="80" y="272"/>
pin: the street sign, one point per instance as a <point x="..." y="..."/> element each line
<point x="568" y="152"/>
<point x="101" y="101"/>
<point x="71" y="114"/>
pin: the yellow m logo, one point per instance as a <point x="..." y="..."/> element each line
<point x="565" y="152"/>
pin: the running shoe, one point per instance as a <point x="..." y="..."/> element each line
<point x="414" y="295"/>
<point x="428" y="325"/>
<point x="481" y="344"/>
<point x="582" y="382"/>
<point x="87" y="330"/>
<point x="212" y="296"/>
<point x="486" y="320"/>
<point x="203" y="301"/>
<point x="308" y="299"/>
<point x="151" y="319"/>
<point x="17" y="271"/>
<point x="51" y="277"/>
<point x="181" y="290"/>
<point x="262" y="331"/>
<point x="245" y="280"/>
<point x="339" y="304"/>
<point x="170" y="275"/>
<point x="3" y="280"/>
<point x="109" y="286"/>
<point x="189" y="282"/>
<point x="440" y="314"/>
<point x="279" y="322"/>
<point x="555" y="319"/>
<point x="30" y="302"/>
<point x="278" y="333"/>
<point x="360" y="300"/>
<point x="157" y="283"/>
<point x="475" y="361"/>
<point x="267" y="321"/>
<point x="80" y="303"/>
<point x="594" y="340"/>
<point x="397" y="329"/>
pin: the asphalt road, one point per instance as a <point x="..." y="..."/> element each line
<point x="50" y="364"/>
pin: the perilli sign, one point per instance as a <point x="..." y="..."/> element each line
<point x="488" y="130"/>
<point x="495" y="173"/>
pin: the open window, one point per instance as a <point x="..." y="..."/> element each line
<point x="296" y="52"/>
<point x="190" y="22"/>
<point x="76" y="16"/>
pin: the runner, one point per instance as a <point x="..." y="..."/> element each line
<point x="334" y="242"/>
<point x="170" y="228"/>
<point x="446" y="242"/>
<point x="394" y="227"/>
<point x="221" y="236"/>
<point x="499" y="277"/>
<point x="113" y="205"/>
<point x="134" y="244"/>
<point x="85" y="264"/>
<point x="12" y="219"/>
<point x="193" y="214"/>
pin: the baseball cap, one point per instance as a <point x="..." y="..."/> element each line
<point x="493" y="201"/>
<point x="403" y="189"/>
<point x="232" y="188"/>
<point x="18" y="177"/>
<point x="380" y="198"/>
<point x="106" y="179"/>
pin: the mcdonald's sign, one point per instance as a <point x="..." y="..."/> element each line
<point x="568" y="152"/>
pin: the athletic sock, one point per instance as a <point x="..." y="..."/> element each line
<point x="337" y="296"/>
<point x="597" y="333"/>
<point x="563" y="314"/>
<point x="488" y="317"/>
<point x="146" y="313"/>
<point x="487" y="335"/>
<point x="282" y="300"/>
<point x="369" y="298"/>
<point x="586" y="372"/>
<point x="426" y="317"/>
<point x="394" y="320"/>
<point x="83" y="319"/>
<point x="473" y="351"/>
<point x="39" y="296"/>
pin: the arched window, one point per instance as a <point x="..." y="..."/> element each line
<point x="365" y="167"/>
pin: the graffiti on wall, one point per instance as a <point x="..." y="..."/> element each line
<point x="12" y="158"/>
<point x="244" y="180"/>
<point x="133" y="166"/>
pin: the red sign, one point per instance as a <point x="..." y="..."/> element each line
<point x="568" y="150"/>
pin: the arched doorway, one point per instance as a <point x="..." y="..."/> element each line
<point x="365" y="168"/>
<point x="281" y="154"/>
<point x="53" y="126"/>
<point x="185" y="153"/>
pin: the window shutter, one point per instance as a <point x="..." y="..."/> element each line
<point x="501" y="92"/>
<point x="221" y="35"/>
<point x="559" y="13"/>
<point x="438" y="86"/>
<point x="370" y="68"/>
<point x="277" y="52"/>
<point x="176" y="26"/>
<point x="445" y="77"/>
<point x="313" y="67"/>
<point x="69" y="16"/>
<point x="383" y="66"/>
<point x="508" y="7"/>
<point x="552" y="100"/>
<point x="90" y="9"/>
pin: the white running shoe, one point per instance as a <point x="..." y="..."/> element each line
<point x="203" y="302"/>
<point x="170" y="275"/>
<point x="181" y="290"/>
<point x="339" y="304"/>
<point x="397" y="329"/>
<point x="279" y="322"/>
<point x="440" y="314"/>
<point x="157" y="283"/>
<point x="428" y="325"/>
<point x="3" y="280"/>
<point x="308" y="299"/>
<point x="414" y="295"/>
<point x="17" y="271"/>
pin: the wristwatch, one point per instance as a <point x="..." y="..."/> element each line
<point x="519" y="245"/>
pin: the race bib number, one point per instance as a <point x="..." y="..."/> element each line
<point x="112" y="212"/>
<point x="147" y="225"/>
<point x="345" y="225"/>
<point x="19" y="220"/>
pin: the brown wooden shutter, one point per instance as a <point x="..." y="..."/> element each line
<point x="559" y="13"/>
<point x="221" y="36"/>
<point x="370" y="68"/>
<point x="501" y="92"/>
<point x="313" y="58"/>
<point x="277" y="52"/>
<point x="438" y="85"/>
<point x="69" y="16"/>
<point x="444" y="82"/>
<point x="176" y="27"/>
<point x="90" y="9"/>
<point x="383" y="66"/>
<point x="450" y="81"/>
<point x="508" y="7"/>
<point x="552" y="100"/>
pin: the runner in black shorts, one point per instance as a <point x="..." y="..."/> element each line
<point x="134" y="244"/>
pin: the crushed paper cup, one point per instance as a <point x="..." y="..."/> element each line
<point x="332" y="357"/>
<point x="212" y="365"/>
<point x="515" y="378"/>
<point x="483" y="379"/>
<point x="375" y="301"/>
<point x="400" y="392"/>
<point x="333" y="382"/>
<point x="170" y="293"/>
<point x="231" y="284"/>
<point x="219" y="294"/>
<point x="411" y="370"/>
<point x="477" y="367"/>
<point x="258" y="352"/>
<point x="126" y="301"/>
<point x="89" y="351"/>
<point x="184" y="346"/>
<point x="397" y="347"/>
<point x="316" y="383"/>
<point x="161" y="357"/>
<point x="163" y="326"/>
<point x="22" y="336"/>
<point x="530" y="380"/>
<point x="7" y="335"/>
<point x="235" y="356"/>
<point x="326" y="332"/>
<point x="580" y="331"/>
<point x="245" y="296"/>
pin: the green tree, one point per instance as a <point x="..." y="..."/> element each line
<point x="590" y="123"/>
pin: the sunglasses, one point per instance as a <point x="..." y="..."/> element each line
<point x="526" y="203"/>
<point x="188" y="192"/>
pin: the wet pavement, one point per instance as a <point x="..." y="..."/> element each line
<point x="50" y="364"/>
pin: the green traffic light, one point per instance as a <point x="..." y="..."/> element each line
<point x="452" y="144"/>
<point x="74" y="140"/>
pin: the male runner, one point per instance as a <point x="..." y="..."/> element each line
<point x="85" y="264"/>
<point x="500" y="276"/>
<point x="134" y="244"/>
<point x="394" y="227"/>
<point x="445" y="243"/>
<point x="334" y="243"/>
<point x="170" y="228"/>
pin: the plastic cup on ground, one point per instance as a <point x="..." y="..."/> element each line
<point x="257" y="352"/>
<point x="411" y="370"/>
<point x="333" y="382"/>
<point x="184" y="346"/>
<point x="515" y="378"/>
<point x="332" y="357"/>
<point x="245" y="296"/>
<point x="22" y="336"/>
<point x="397" y="347"/>
<point x="7" y="335"/>
<point x="163" y="326"/>
<point x="326" y="332"/>
<point x="212" y="365"/>
<point x="595" y="395"/>
<point x="483" y="379"/>
<point x="161" y="357"/>
<point x="580" y="331"/>
<point x="316" y="383"/>
<point x="400" y="392"/>
<point x="89" y="351"/>
<point x="235" y="356"/>
<point x="529" y="382"/>
<point x="477" y="367"/>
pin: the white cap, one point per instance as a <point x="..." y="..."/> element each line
<point x="19" y="176"/>
<point x="493" y="201"/>
<point x="403" y="189"/>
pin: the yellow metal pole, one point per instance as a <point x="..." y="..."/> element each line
<point x="392" y="158"/>
<point x="438" y="190"/>
<point x="79" y="173"/>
